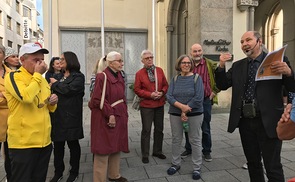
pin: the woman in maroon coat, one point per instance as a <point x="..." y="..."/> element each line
<point x="109" y="132"/>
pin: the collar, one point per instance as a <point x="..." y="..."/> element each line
<point x="113" y="72"/>
<point x="202" y="61"/>
<point x="258" y="59"/>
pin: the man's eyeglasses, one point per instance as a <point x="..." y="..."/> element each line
<point x="61" y="59"/>
<point x="183" y="63"/>
<point x="147" y="58"/>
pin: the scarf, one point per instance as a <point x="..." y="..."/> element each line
<point x="151" y="74"/>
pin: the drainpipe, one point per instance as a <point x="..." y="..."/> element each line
<point x="251" y="17"/>
<point x="154" y="31"/>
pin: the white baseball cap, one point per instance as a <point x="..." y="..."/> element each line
<point x="30" y="48"/>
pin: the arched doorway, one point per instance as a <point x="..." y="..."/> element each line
<point x="275" y="19"/>
<point x="177" y="33"/>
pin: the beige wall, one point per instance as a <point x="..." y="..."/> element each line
<point x="77" y="14"/>
<point x="130" y="15"/>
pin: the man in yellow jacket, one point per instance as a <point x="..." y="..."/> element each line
<point x="29" y="101"/>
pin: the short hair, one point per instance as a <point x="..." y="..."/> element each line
<point x="145" y="52"/>
<point x="51" y="69"/>
<point x="72" y="61"/>
<point x="112" y="56"/>
<point x="178" y="62"/>
<point x="257" y="35"/>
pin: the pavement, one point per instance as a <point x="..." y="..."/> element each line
<point x="227" y="154"/>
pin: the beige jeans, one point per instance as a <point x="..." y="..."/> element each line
<point x="106" y="163"/>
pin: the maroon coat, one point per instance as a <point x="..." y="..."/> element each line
<point x="143" y="87"/>
<point x="106" y="140"/>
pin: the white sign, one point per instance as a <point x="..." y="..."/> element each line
<point x="26" y="31"/>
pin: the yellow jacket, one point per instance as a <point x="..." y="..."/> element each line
<point x="28" y="125"/>
<point x="3" y="107"/>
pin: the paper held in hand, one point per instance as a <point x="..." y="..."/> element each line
<point x="264" y="72"/>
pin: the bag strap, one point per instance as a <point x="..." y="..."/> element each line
<point x="156" y="80"/>
<point x="103" y="91"/>
<point x="195" y="80"/>
<point x="11" y="75"/>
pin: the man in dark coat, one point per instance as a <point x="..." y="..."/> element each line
<point x="258" y="130"/>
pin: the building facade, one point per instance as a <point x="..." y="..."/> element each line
<point x="172" y="27"/>
<point x="18" y="23"/>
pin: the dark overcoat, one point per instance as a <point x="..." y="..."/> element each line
<point x="67" y="120"/>
<point x="268" y="94"/>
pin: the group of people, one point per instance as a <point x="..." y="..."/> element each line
<point x="256" y="107"/>
<point x="36" y="111"/>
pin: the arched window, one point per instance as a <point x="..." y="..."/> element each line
<point x="274" y="29"/>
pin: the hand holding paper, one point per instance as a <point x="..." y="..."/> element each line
<point x="272" y="67"/>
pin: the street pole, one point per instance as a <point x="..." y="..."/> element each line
<point x="50" y="29"/>
<point x="102" y="29"/>
<point x="154" y="31"/>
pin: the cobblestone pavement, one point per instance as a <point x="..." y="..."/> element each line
<point x="227" y="154"/>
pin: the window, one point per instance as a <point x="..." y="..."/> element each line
<point x="9" y="23"/>
<point x="1" y="40"/>
<point x="18" y="28"/>
<point x="27" y="12"/>
<point x="18" y="47"/>
<point x="0" y="17"/>
<point x="9" y="43"/>
<point x="17" y="6"/>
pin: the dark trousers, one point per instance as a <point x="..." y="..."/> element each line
<point x="59" y="152"/>
<point x="257" y="144"/>
<point x="206" y="129"/>
<point x="148" y="116"/>
<point x="29" y="165"/>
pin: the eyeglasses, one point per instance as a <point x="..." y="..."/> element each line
<point x="61" y="59"/>
<point x="119" y="61"/>
<point x="40" y="105"/>
<point x="183" y="63"/>
<point x="148" y="58"/>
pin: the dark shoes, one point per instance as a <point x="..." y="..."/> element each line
<point x="185" y="154"/>
<point x="121" y="179"/>
<point x="72" y="178"/>
<point x="56" y="178"/>
<point x="160" y="156"/>
<point x="173" y="169"/>
<point x="196" y="175"/>
<point x="207" y="157"/>
<point x="145" y="160"/>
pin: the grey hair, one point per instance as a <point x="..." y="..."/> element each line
<point x="105" y="61"/>
<point x="145" y="52"/>
<point x="257" y="34"/>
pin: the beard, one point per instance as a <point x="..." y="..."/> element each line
<point x="248" y="53"/>
<point x="197" y="58"/>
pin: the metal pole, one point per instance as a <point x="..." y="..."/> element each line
<point x="154" y="31"/>
<point x="102" y="29"/>
<point x="50" y="29"/>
